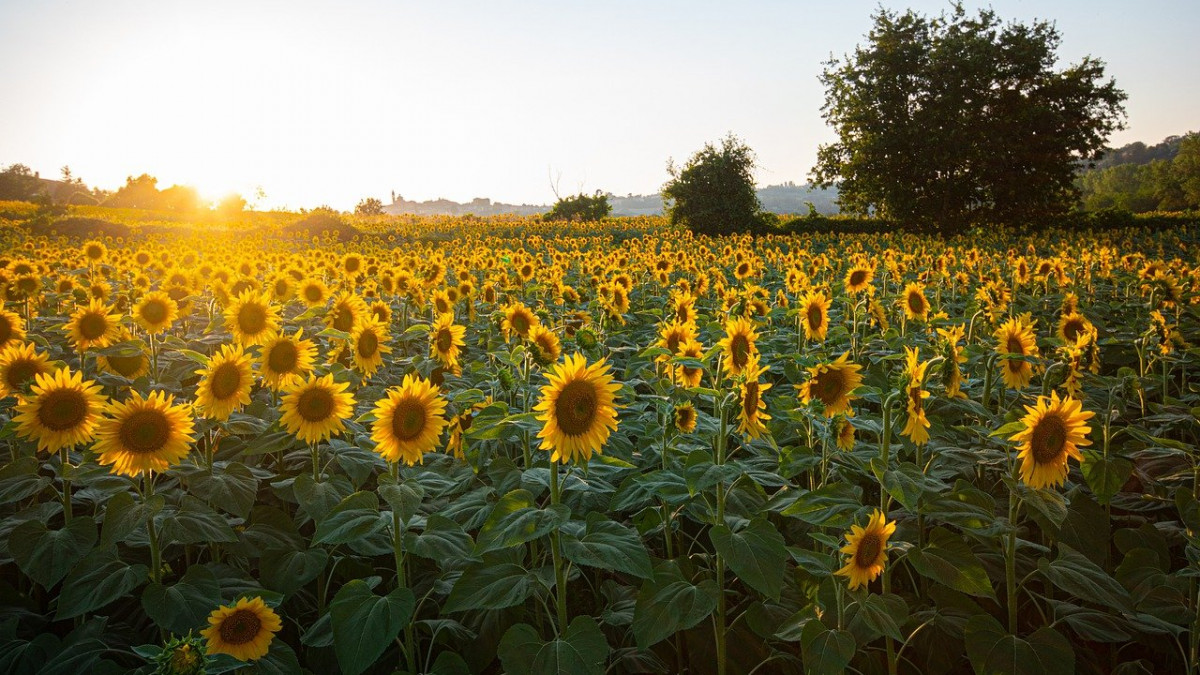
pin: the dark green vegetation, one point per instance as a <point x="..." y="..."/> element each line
<point x="713" y="193"/>
<point x="1137" y="178"/>
<point x="580" y="207"/>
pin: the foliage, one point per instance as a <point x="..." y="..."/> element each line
<point x="580" y="207"/>
<point x="713" y="193"/>
<point x="19" y="183"/>
<point x="962" y="120"/>
<point x="1169" y="184"/>
<point x="369" y="207"/>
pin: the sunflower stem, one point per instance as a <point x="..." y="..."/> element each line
<point x="401" y="575"/>
<point x="64" y="455"/>
<point x="316" y="462"/>
<point x="155" y="553"/>
<point x="1010" y="558"/>
<point x="720" y="628"/>
<point x="560" y="579"/>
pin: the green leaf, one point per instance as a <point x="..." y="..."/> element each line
<point x="885" y="614"/>
<point x="906" y="484"/>
<point x="948" y="559"/>
<point x="123" y="515"/>
<point x="825" y="651"/>
<point x="442" y="540"/>
<point x="1072" y="572"/>
<point x="185" y="605"/>
<point x="606" y="544"/>
<point x="319" y="498"/>
<point x="582" y="648"/>
<point x="830" y="506"/>
<point x="404" y="498"/>
<point x="993" y="651"/>
<point x="1105" y="476"/>
<point x="20" y="480"/>
<point x="195" y="523"/>
<point x="490" y="586"/>
<point x="100" y="578"/>
<point x="47" y="555"/>
<point x="364" y="624"/>
<point x="357" y="516"/>
<point x="232" y="488"/>
<point x="516" y="520"/>
<point x="288" y="571"/>
<point x="756" y="555"/>
<point x="669" y="603"/>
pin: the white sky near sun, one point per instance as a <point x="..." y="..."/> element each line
<point x="327" y="103"/>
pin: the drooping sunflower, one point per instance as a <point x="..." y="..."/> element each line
<point x="688" y="376"/>
<point x="814" y="313"/>
<point x="750" y="410"/>
<point x="243" y="630"/>
<point x="144" y="434"/>
<point x="12" y="328"/>
<point x="1054" y="430"/>
<point x="916" y="429"/>
<point x="832" y="384"/>
<point x="916" y="306"/>
<point x="446" y="340"/>
<point x="62" y="412"/>
<point x="685" y="417"/>
<point x="738" y="344"/>
<point x="858" y="278"/>
<point x="1071" y="325"/>
<point x="460" y="424"/>
<point x="409" y="421"/>
<point x="252" y="318"/>
<point x="844" y="434"/>
<point x="285" y="359"/>
<point x="867" y="548"/>
<point x="369" y="339"/>
<point x="93" y="326"/>
<point x="225" y="384"/>
<point x="578" y="409"/>
<point x="674" y="335"/>
<point x="1015" y="338"/>
<point x="518" y="320"/>
<point x="155" y="312"/>
<point x="316" y="408"/>
<point x="545" y="345"/>
<point x="20" y="363"/>
<point x="952" y="358"/>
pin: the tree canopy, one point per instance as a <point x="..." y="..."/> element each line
<point x="958" y="120"/>
<point x="713" y="193"/>
<point x="580" y="207"/>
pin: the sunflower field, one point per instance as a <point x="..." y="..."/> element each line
<point x="465" y="445"/>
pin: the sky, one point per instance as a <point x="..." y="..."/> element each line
<point x="326" y="103"/>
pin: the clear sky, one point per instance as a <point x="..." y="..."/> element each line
<point x="330" y="102"/>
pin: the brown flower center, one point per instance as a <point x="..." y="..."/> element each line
<point x="750" y="399"/>
<point x="125" y="366"/>
<point x="20" y="372"/>
<point x="1015" y="346"/>
<point x="576" y="408"/>
<point x="445" y="340"/>
<point x="343" y="319"/>
<point x="315" y="405"/>
<point x="857" y="277"/>
<point x="312" y="293"/>
<point x="815" y="317"/>
<point x="916" y="303"/>
<point x="869" y="548"/>
<point x="408" y="420"/>
<point x="62" y="409"/>
<point x="93" y="326"/>
<point x="368" y="344"/>
<point x="252" y="319"/>
<point x="225" y="381"/>
<point x="828" y="386"/>
<point x="144" y="432"/>
<point x="6" y="330"/>
<point x="240" y="627"/>
<point x="154" y="312"/>
<point x="283" y="357"/>
<point x="1048" y="439"/>
<point x="739" y="350"/>
<point x="1072" y="328"/>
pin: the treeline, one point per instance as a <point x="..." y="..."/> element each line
<point x="19" y="183"/>
<point x="1141" y="178"/>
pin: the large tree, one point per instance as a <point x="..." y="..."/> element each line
<point x="958" y="120"/>
<point x="714" y="192"/>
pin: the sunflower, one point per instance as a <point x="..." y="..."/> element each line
<point x="867" y="548"/>
<point x="685" y="418"/>
<point x="577" y="408"/>
<point x="313" y="292"/>
<point x="446" y="340"/>
<point x="62" y="412"/>
<point x="518" y="320"/>
<point x="832" y="384"/>
<point x="252" y="318"/>
<point x="952" y="358"/>
<point x="225" y="384"/>
<point x="243" y="630"/>
<point x="94" y="251"/>
<point x="382" y="311"/>
<point x="369" y="338"/>
<point x="93" y="326"/>
<point x="1072" y="325"/>
<point x="738" y="344"/>
<point x="316" y="408"/>
<point x="346" y="312"/>
<point x="461" y="424"/>
<point x="409" y="421"/>
<point x="750" y="411"/>
<point x="674" y="335"/>
<point x="814" y="312"/>
<point x="1016" y="338"/>
<point x="144" y="434"/>
<point x="20" y="363"/>
<point x="844" y="434"/>
<point x="858" y="278"/>
<point x="687" y="376"/>
<point x="545" y="345"/>
<point x="128" y="367"/>
<point x="917" y="426"/>
<point x="12" y="328"/>
<point x="916" y="306"/>
<point x="285" y="359"/>
<point x="156" y="312"/>
<point x="1054" y="430"/>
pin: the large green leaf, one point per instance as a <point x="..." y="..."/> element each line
<point x="47" y="555"/>
<point x="186" y="604"/>
<point x="1072" y="572"/>
<point x="364" y="624"/>
<point x="231" y="488"/>
<point x="288" y="571"/>
<point x="20" y="479"/>
<point x="606" y="544"/>
<point x="993" y="651"/>
<point x="756" y="554"/>
<point x="194" y="523"/>
<point x="825" y="651"/>
<point x="355" y="517"/>
<point x="490" y="586"/>
<point x="319" y="498"/>
<point x="516" y="520"/>
<point x="948" y="559"/>
<point x="581" y="649"/>
<point x="442" y="540"/>
<point x="123" y="515"/>
<point x="100" y="578"/>
<point x="404" y="497"/>
<point x="1105" y="475"/>
<point x="830" y="506"/>
<point x="669" y="603"/>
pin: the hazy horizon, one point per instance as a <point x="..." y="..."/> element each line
<point x="328" y="105"/>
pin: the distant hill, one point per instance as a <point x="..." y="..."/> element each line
<point x="1139" y="153"/>
<point x="788" y="198"/>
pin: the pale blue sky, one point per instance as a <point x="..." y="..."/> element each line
<point x="331" y="102"/>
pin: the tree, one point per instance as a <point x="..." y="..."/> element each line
<point x="580" y="207"/>
<point x="714" y="193"/>
<point x="137" y="193"/>
<point x="369" y="207"/>
<point x="231" y="205"/>
<point x="18" y="182"/>
<point x="955" y="120"/>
